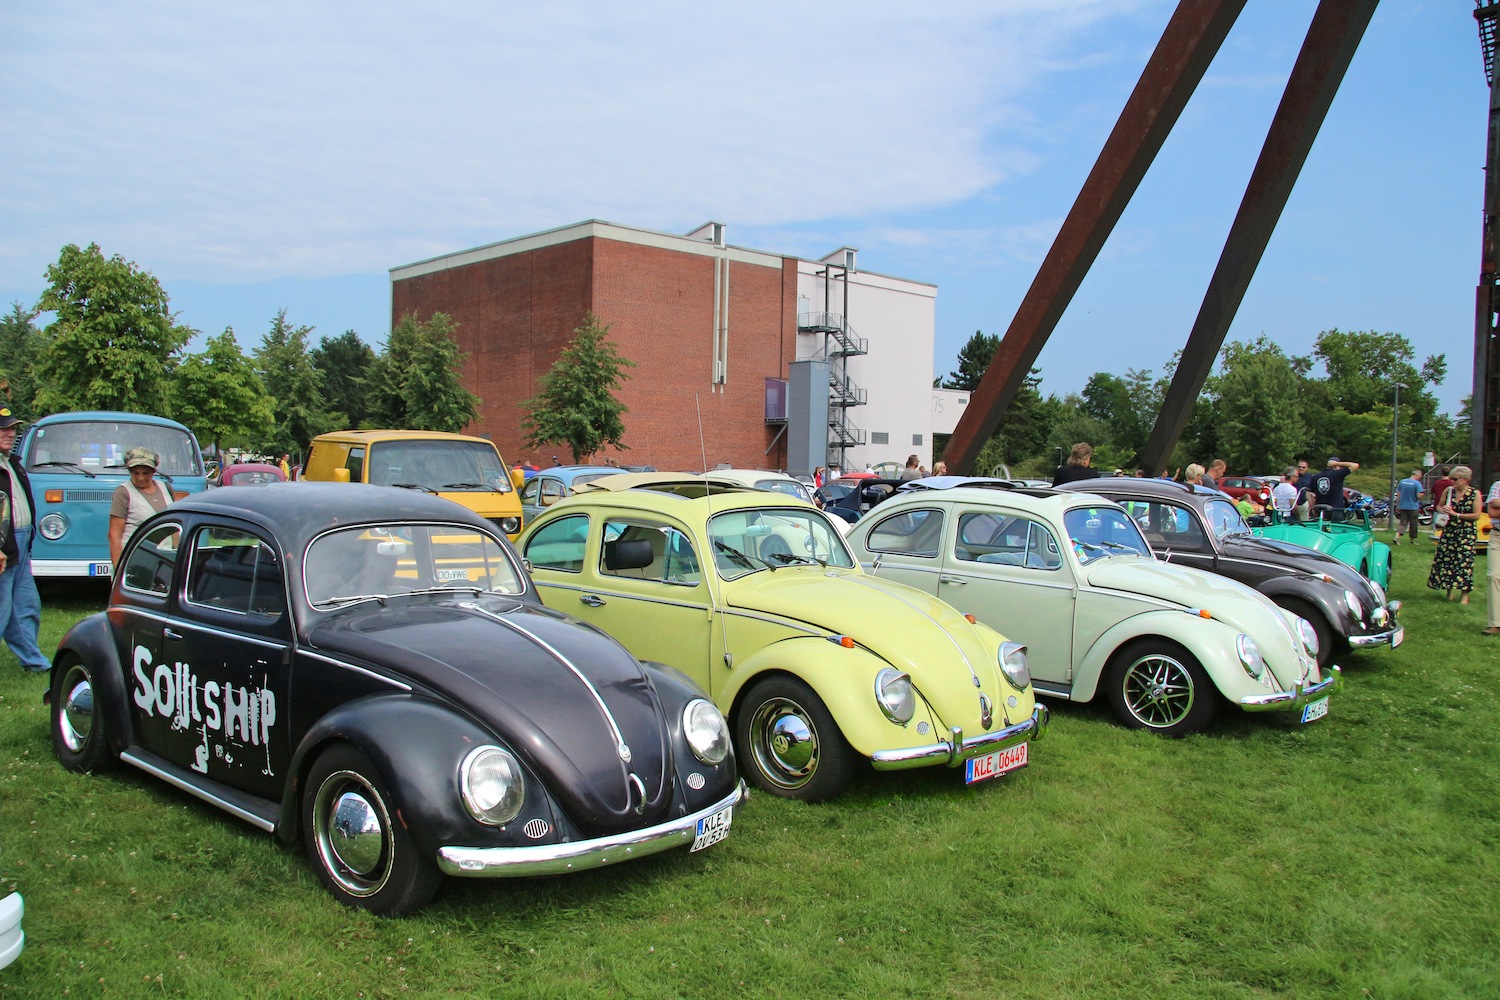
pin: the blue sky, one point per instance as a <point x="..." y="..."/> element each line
<point x="286" y="155"/>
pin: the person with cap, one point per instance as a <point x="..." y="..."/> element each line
<point x="135" y="500"/>
<point x="1327" y="487"/>
<point x="20" y="603"/>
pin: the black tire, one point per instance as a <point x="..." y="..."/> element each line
<point x="78" y="730"/>
<point x="788" y="744"/>
<point x="1322" y="628"/>
<point x="362" y="854"/>
<point x="1155" y="684"/>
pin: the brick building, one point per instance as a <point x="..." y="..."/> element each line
<point x="716" y="333"/>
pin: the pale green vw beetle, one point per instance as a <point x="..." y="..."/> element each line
<point x="1072" y="576"/>
<point x="756" y="597"/>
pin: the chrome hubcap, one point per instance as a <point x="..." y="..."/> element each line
<point x="784" y="742"/>
<point x="352" y="833"/>
<point x="1158" y="691"/>
<point x="76" y="720"/>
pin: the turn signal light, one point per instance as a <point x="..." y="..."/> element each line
<point x="54" y="496"/>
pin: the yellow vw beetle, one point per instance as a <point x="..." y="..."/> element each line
<point x="756" y="597"/>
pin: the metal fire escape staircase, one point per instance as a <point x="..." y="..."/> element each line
<point x="839" y="344"/>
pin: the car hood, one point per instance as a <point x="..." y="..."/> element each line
<point x="912" y="631"/>
<point x="554" y="691"/>
<point x="1303" y="558"/>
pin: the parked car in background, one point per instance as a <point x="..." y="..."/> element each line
<point x="1198" y="527"/>
<point x="756" y="597"/>
<point x="75" y="461"/>
<point x="548" y="486"/>
<point x="776" y="482"/>
<point x="1345" y="535"/>
<point x="1257" y="489"/>
<point x="371" y="670"/>
<point x="250" y="474"/>
<point x="466" y="470"/>
<point x="1070" y="575"/>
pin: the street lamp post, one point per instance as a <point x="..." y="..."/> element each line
<point x="1390" y="512"/>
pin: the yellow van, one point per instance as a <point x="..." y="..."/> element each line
<point x="466" y="470"/>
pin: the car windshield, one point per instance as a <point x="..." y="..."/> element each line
<point x="790" y="487"/>
<point x="384" y="561"/>
<point x="1224" y="519"/>
<point x="1101" y="532"/>
<point x="757" y="538"/>
<point x="438" y="466"/>
<point x="99" y="445"/>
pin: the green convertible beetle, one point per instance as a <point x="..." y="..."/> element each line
<point x="756" y="597"/>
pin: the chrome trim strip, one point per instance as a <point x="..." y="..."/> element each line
<point x="560" y="658"/>
<point x="645" y="599"/>
<point x="196" y="627"/>
<point x="1297" y="697"/>
<point x="198" y="793"/>
<point x="559" y="859"/>
<point x="944" y="752"/>
<point x="313" y="654"/>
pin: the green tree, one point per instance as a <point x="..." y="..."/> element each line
<point x="113" y="344"/>
<point x="1258" y="409"/>
<point x="219" y="395"/>
<point x="1363" y="368"/>
<point x="21" y="345"/>
<point x="344" y="363"/>
<point x="973" y="361"/>
<point x="414" y="383"/>
<point x="577" y="404"/>
<point x="287" y="372"/>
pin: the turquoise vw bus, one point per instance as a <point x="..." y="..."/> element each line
<point x="75" y="461"/>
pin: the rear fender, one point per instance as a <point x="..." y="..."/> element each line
<point x="92" y="640"/>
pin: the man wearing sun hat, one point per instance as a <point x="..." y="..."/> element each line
<point x="20" y="604"/>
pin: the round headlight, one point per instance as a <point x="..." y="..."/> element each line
<point x="1355" y="607"/>
<point x="52" y="527"/>
<point x="492" y="784"/>
<point x="509" y="525"/>
<point x="706" y="731"/>
<point x="1013" y="665"/>
<point x="1249" y="653"/>
<point x="1309" y="637"/>
<point x="894" y="692"/>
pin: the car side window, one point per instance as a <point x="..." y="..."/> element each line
<point x="559" y="544"/>
<point x="552" y="491"/>
<point x="530" y="491"/>
<point x="1167" y="525"/>
<point x="911" y="533"/>
<point x="1006" y="541"/>
<point x="233" y="570"/>
<point x="148" y="569"/>
<point x="356" y="465"/>
<point x="672" y="559"/>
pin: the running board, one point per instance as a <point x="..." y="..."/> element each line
<point x="255" y="811"/>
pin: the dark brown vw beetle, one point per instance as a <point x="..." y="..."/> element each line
<point x="370" y="669"/>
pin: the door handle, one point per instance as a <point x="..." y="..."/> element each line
<point x="945" y="578"/>
<point x="167" y="633"/>
<point x="592" y="600"/>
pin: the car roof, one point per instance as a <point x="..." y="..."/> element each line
<point x="110" y="416"/>
<point x="371" y="437"/>
<point x="687" y="495"/>
<point x="747" y="475"/>
<point x="296" y="513"/>
<point x="1159" y="488"/>
<point x="992" y="493"/>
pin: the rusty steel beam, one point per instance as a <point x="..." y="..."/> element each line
<point x="1336" y="29"/>
<point x="1187" y="47"/>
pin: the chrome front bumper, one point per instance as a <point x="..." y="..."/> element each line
<point x="559" y="859"/>
<point x="957" y="750"/>
<point x="1299" y="696"/>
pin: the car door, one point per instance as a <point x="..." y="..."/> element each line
<point x="1007" y="569"/>
<point x="1176" y="532"/>
<point x="229" y="655"/>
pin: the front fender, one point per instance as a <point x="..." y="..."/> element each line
<point x="843" y="679"/>
<point x="1326" y="598"/>
<point x="92" y="641"/>
<point x="416" y="744"/>
<point x="1210" y="641"/>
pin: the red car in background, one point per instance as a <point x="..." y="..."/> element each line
<point x="1254" y="487"/>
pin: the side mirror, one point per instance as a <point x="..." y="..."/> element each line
<point x="341" y="475"/>
<point x="517" y="478"/>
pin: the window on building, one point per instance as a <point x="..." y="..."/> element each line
<point x="879" y="437"/>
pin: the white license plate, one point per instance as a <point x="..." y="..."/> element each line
<point x="1399" y="637"/>
<point x="712" y="829"/>
<point x="1315" y="711"/>
<point x="995" y="763"/>
<point x="100" y="569"/>
<point x="447" y="575"/>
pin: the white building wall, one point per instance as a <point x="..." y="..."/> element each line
<point x="899" y="320"/>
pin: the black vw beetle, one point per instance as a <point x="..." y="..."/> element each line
<point x="1199" y="527"/>
<point x="370" y="668"/>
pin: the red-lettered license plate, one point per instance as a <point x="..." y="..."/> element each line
<point x="712" y="829"/>
<point x="994" y="764"/>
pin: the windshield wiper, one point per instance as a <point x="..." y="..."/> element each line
<point x="65" y="465"/>
<point x="471" y="486"/>
<point x="735" y="554"/>
<point x="355" y="599"/>
<point x="416" y="486"/>
<point x="789" y="557"/>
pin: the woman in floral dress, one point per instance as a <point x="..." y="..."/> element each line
<point x="1453" y="565"/>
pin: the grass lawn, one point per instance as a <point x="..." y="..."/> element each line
<point x="1354" y="858"/>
